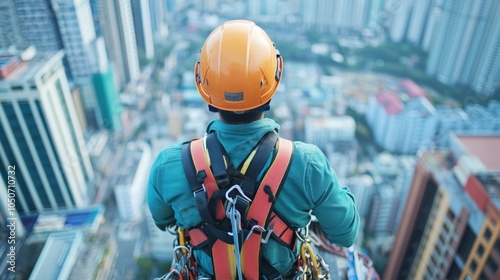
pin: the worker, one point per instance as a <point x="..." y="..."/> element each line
<point x="237" y="74"/>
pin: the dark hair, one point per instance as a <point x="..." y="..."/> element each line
<point x="234" y="118"/>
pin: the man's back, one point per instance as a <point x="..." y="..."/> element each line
<point x="311" y="185"/>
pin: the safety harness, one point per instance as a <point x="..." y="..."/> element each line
<point x="235" y="206"/>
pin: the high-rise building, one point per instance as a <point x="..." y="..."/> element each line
<point x="323" y="131"/>
<point x="10" y="32"/>
<point x="339" y="17"/>
<point x="38" y="24"/>
<point x="402" y="121"/>
<point x="41" y="135"/>
<point x="106" y="91"/>
<point x="52" y="25"/>
<point x="131" y="181"/>
<point x="76" y="27"/>
<point x="143" y="28"/>
<point x="117" y="27"/>
<point x="465" y="49"/>
<point x="486" y="79"/>
<point x="450" y="227"/>
<point x="392" y="178"/>
<point x="157" y="11"/>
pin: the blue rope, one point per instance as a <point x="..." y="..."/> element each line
<point x="235" y="220"/>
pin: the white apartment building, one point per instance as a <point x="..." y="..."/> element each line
<point x="401" y="127"/>
<point x="323" y="131"/>
<point x="466" y="47"/>
<point x="131" y="181"/>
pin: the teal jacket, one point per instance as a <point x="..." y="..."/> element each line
<point x="311" y="187"/>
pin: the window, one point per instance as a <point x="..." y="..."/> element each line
<point x="487" y="234"/>
<point x="466" y="243"/>
<point x="473" y="266"/>
<point x="480" y="250"/>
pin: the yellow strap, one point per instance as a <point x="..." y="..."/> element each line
<point x="247" y="162"/>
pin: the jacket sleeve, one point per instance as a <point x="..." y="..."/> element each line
<point x="334" y="205"/>
<point x="162" y="213"/>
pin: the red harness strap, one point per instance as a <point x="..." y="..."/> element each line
<point x="261" y="207"/>
<point x="259" y="212"/>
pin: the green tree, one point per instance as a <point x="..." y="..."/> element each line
<point x="144" y="268"/>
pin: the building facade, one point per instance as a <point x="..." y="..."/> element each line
<point x="143" y="28"/>
<point x="38" y="24"/>
<point x="131" y="180"/>
<point x="450" y="228"/>
<point x="10" y="33"/>
<point x="76" y="27"/>
<point x="41" y="135"/>
<point x="117" y="27"/>
<point x="401" y="127"/>
<point x="465" y="51"/>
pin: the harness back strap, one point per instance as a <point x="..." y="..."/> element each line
<point x="261" y="207"/>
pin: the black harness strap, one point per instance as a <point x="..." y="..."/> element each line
<point x="195" y="180"/>
<point x="264" y="149"/>
<point x="218" y="159"/>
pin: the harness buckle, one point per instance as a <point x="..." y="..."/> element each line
<point x="261" y="230"/>
<point x="200" y="196"/>
<point x="222" y="180"/>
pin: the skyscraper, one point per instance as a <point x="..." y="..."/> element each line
<point x="143" y="28"/>
<point x="466" y="46"/>
<point x="38" y="24"/>
<point x="105" y="89"/>
<point x="52" y="25"/>
<point x="117" y="26"/>
<point x="76" y="27"/>
<point x="402" y="121"/>
<point x="40" y="134"/>
<point x="450" y="226"/>
<point x="10" y="34"/>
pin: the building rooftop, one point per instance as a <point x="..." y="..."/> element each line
<point x="412" y="89"/>
<point x="22" y="66"/>
<point x="88" y="218"/>
<point x="485" y="148"/>
<point x="391" y="102"/>
<point x="58" y="256"/>
<point x="130" y="163"/>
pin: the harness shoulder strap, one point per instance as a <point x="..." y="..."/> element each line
<point x="261" y="206"/>
<point x="201" y="179"/>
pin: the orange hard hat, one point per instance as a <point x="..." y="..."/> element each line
<point x="239" y="67"/>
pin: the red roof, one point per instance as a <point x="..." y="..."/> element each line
<point x="391" y="102"/>
<point x="485" y="148"/>
<point x="412" y="89"/>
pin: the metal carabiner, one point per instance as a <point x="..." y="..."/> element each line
<point x="238" y="188"/>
